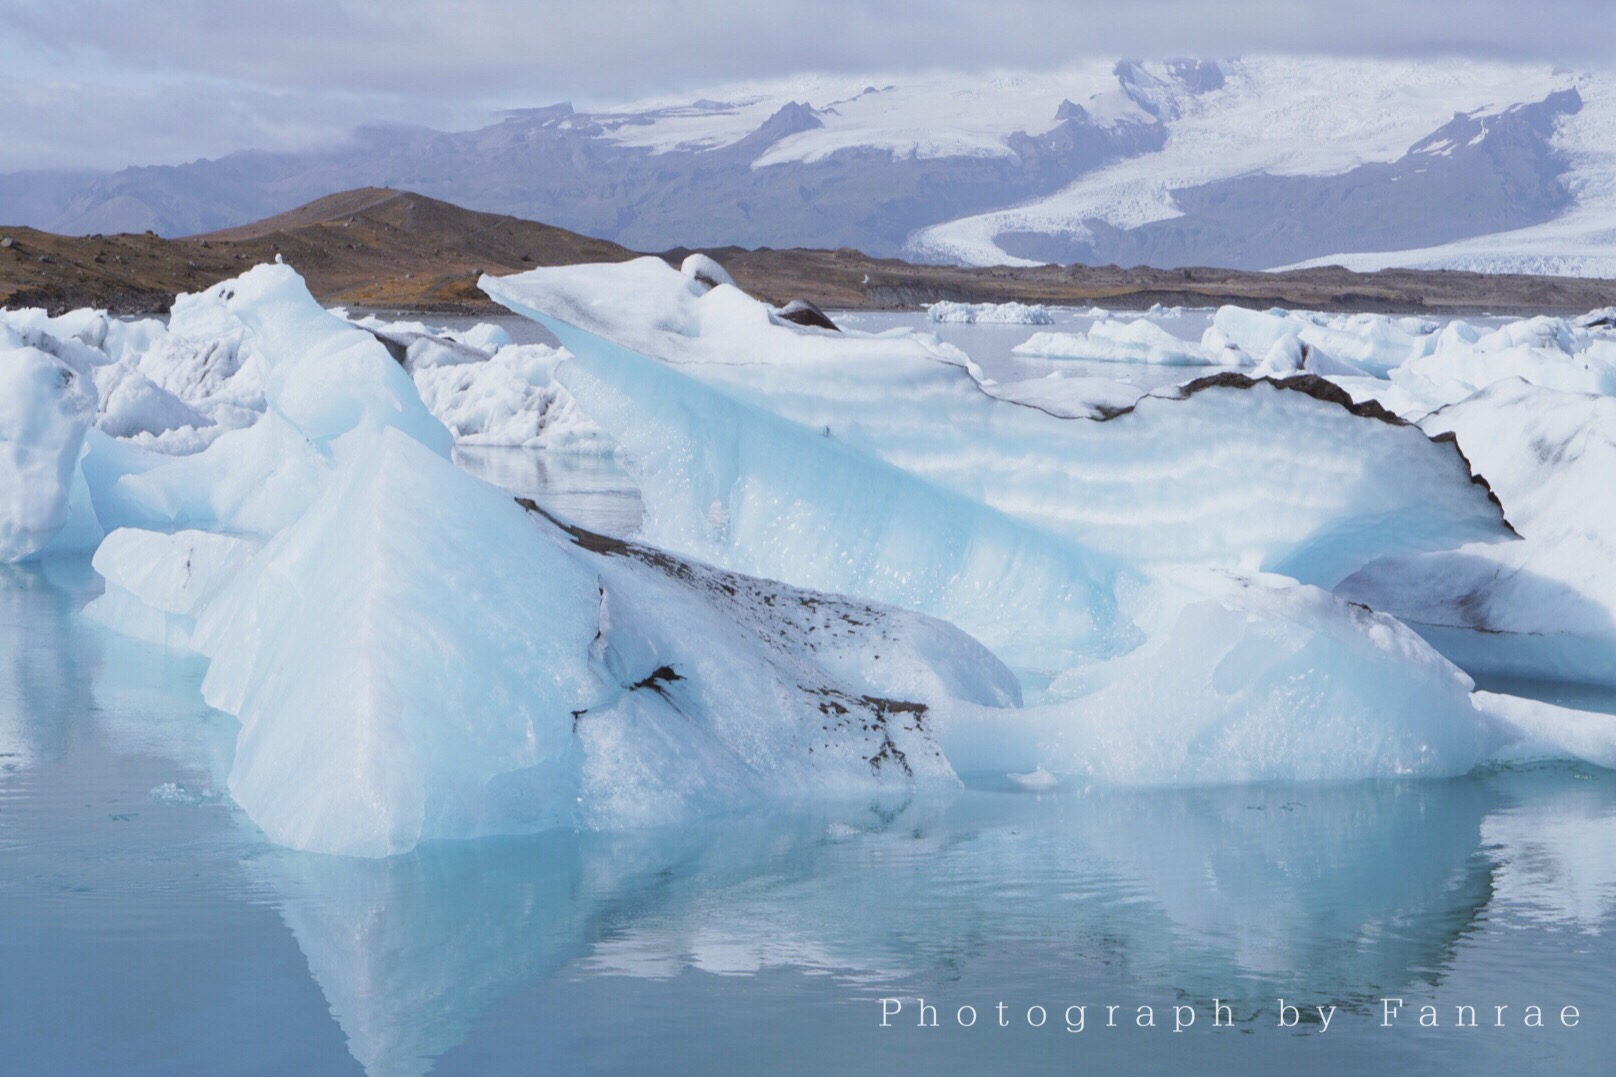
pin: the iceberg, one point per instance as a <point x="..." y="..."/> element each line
<point x="1283" y="475"/>
<point x="1543" y="607"/>
<point x="849" y="542"/>
<point x="990" y="313"/>
<point x="510" y="398"/>
<point x="1138" y="340"/>
<point x="46" y="404"/>
<point x="402" y="676"/>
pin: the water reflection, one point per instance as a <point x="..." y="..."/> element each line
<point x="593" y="491"/>
<point x="1337" y="893"/>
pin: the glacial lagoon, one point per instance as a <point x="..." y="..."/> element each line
<point x="146" y="927"/>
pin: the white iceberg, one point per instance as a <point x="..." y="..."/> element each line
<point x="1137" y="340"/>
<point x="990" y="313"/>
<point x="1287" y="477"/>
<point x="1543" y="607"/>
<point x="46" y="404"/>
<point x="511" y="398"/>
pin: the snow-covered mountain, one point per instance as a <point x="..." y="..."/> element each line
<point x="1251" y="163"/>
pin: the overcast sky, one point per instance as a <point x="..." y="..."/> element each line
<point x="105" y="83"/>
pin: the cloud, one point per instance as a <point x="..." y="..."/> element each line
<point x="106" y="82"/>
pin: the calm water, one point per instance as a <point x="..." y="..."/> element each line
<point x="145" y="927"/>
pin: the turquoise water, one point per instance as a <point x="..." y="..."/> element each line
<point x="145" y="927"/>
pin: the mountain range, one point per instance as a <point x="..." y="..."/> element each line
<point x="379" y="248"/>
<point x="1252" y="163"/>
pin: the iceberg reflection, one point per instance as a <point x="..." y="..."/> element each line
<point x="1340" y="892"/>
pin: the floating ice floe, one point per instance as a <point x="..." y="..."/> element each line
<point x="1135" y="341"/>
<point x="990" y="313"/>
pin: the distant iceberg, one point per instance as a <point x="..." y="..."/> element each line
<point x="990" y="313"/>
<point x="1137" y="340"/>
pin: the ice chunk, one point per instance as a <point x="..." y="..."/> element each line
<point x="416" y="657"/>
<point x="323" y="375"/>
<point x="484" y="336"/>
<point x="45" y="407"/>
<point x="1136" y="341"/>
<point x="990" y="313"/>
<point x="1369" y="344"/>
<point x="1287" y="356"/>
<point x="1240" y="472"/>
<point x="1262" y="679"/>
<point x="1546" y="731"/>
<point x="1544" y="606"/>
<point x="705" y="271"/>
<point x="510" y="399"/>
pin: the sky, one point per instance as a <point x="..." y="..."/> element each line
<point x="99" y="84"/>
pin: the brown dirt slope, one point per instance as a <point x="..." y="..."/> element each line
<point x="382" y="248"/>
<point x="368" y="248"/>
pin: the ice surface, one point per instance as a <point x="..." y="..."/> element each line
<point x="984" y="313"/>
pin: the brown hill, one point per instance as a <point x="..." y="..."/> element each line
<point x="368" y="248"/>
<point x="381" y="248"/>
